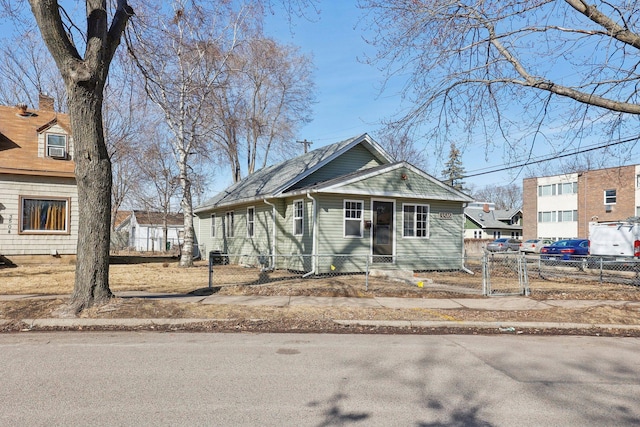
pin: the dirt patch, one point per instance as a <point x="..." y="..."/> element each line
<point x="165" y="277"/>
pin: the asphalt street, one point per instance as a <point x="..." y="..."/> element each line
<point x="143" y="378"/>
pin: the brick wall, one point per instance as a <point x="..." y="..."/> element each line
<point x="591" y="203"/>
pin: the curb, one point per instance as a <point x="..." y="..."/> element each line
<point x="400" y="324"/>
<point x="483" y="325"/>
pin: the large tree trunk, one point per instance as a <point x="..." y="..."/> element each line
<point x="93" y="177"/>
<point x="186" y="256"/>
<point x="84" y="80"/>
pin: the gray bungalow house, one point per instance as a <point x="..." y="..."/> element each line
<point x="344" y="204"/>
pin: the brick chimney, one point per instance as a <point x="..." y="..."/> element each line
<point x="45" y="102"/>
<point x="485" y="208"/>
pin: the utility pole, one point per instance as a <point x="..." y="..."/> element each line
<point x="306" y="144"/>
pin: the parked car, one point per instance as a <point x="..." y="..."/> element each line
<point x="533" y="246"/>
<point x="504" y="244"/>
<point x="569" y="249"/>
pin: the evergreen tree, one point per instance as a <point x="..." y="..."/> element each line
<point x="453" y="169"/>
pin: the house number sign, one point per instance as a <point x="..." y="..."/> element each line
<point x="9" y="224"/>
<point x="446" y="215"/>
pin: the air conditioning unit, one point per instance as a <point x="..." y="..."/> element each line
<point x="608" y="208"/>
<point x="57" y="152"/>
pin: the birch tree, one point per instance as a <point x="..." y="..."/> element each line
<point x="513" y="73"/>
<point x="181" y="48"/>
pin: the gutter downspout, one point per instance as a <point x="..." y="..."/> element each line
<point x="314" y="240"/>
<point x="273" y="243"/>
<point x="464" y="221"/>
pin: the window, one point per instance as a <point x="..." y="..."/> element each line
<point x="56" y="145"/>
<point x="353" y="218"/>
<point x="228" y="224"/>
<point x="213" y="225"/>
<point x="568" y="188"/>
<point x="250" y="221"/>
<point x="609" y="197"/>
<point x="547" y="190"/>
<point x="567" y="216"/>
<point x="44" y="215"/>
<point x="298" y="215"/>
<point x="415" y="221"/>
<point x="547" y="216"/>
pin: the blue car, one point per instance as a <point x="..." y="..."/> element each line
<point x="565" y="250"/>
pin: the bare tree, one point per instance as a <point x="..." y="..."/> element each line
<point x="181" y="56"/>
<point x="266" y="94"/>
<point x="507" y="196"/>
<point x="513" y="71"/>
<point x="84" y="77"/>
<point x="26" y="71"/>
<point x="402" y="147"/>
<point x="161" y="178"/>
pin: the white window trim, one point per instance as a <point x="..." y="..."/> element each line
<point x="605" y="196"/>
<point x="46" y="142"/>
<point x="345" y="219"/>
<point x="229" y="225"/>
<point x="252" y="222"/>
<point x="415" y="220"/>
<point x="213" y="225"/>
<point x="296" y="218"/>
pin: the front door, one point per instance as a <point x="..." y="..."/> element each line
<point x="382" y="231"/>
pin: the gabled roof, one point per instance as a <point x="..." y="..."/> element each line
<point x="19" y="143"/>
<point x="149" y="218"/>
<point x="491" y="219"/>
<point x="507" y="214"/>
<point x="335" y="185"/>
<point x="274" y="180"/>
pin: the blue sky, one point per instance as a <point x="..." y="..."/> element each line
<point x="349" y="100"/>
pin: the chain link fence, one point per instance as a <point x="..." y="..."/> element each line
<point x="487" y="275"/>
<point x="592" y="269"/>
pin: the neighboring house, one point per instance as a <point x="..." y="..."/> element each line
<point x="561" y="206"/>
<point x="38" y="194"/>
<point x="348" y="198"/>
<point x="484" y="221"/>
<point x="145" y="230"/>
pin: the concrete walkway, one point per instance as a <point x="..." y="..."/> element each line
<point x="506" y="303"/>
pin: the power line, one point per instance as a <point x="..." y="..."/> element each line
<point x="559" y="156"/>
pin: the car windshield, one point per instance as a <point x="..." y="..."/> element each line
<point x="501" y="240"/>
<point x="561" y="243"/>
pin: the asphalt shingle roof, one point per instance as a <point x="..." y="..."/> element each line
<point x="273" y="180"/>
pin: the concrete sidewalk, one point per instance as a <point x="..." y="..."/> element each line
<point x="505" y="303"/>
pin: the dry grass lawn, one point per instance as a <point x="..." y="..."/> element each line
<point x="160" y="277"/>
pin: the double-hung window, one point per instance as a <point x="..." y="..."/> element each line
<point x="213" y="225"/>
<point x="251" y="212"/>
<point x="228" y="224"/>
<point x="353" y="218"/>
<point x="56" y="145"/>
<point x="609" y="197"/>
<point x="298" y="216"/>
<point x="415" y="222"/>
<point x="40" y="215"/>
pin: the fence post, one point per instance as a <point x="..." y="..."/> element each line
<point x="210" y="271"/>
<point x="485" y="274"/>
<point x="366" y="273"/>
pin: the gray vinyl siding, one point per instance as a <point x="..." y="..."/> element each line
<point x="13" y="243"/>
<point x="358" y="158"/>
